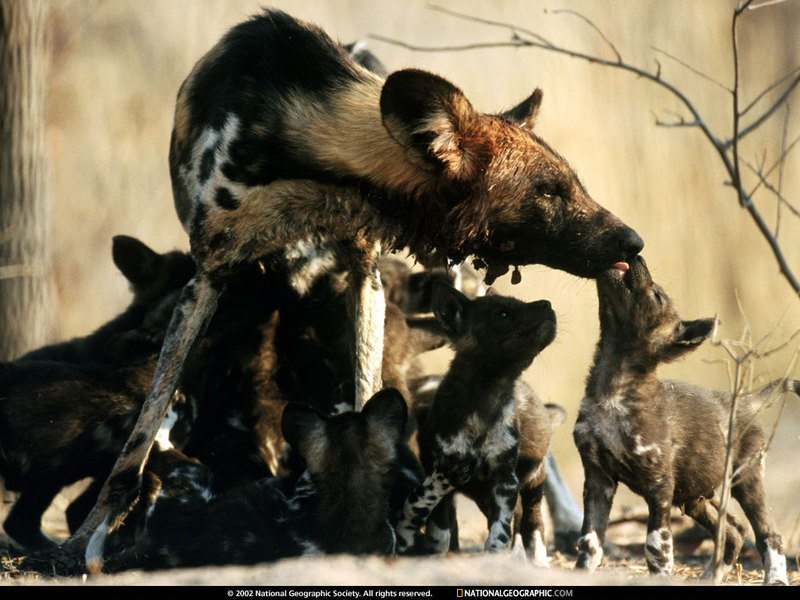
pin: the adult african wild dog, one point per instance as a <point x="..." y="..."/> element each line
<point x="664" y="439"/>
<point x="470" y="440"/>
<point x="279" y="135"/>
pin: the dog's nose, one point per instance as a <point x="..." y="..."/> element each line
<point x="542" y="305"/>
<point x="630" y="242"/>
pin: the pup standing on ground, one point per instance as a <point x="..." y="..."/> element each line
<point x="471" y="438"/>
<point x="663" y="439"/>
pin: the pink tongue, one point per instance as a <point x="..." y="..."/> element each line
<point x="622" y="266"/>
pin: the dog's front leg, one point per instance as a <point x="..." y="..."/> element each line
<point x="503" y="499"/>
<point x="658" y="547"/>
<point x="598" y="492"/>
<point x="418" y="507"/>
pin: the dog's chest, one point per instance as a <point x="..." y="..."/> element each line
<point x="482" y="443"/>
<point x="609" y="432"/>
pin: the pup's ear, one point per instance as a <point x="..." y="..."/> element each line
<point x="449" y="306"/>
<point x="435" y="123"/>
<point x="387" y="412"/>
<point x="135" y="260"/>
<point x="691" y="334"/>
<point x="524" y="113"/>
<point x="303" y="428"/>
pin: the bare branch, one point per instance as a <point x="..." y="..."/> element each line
<point x="769" y="88"/>
<point x="693" y="69"/>
<point x="591" y="24"/>
<point x="767" y="113"/>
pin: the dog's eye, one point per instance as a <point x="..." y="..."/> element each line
<point x="658" y="298"/>
<point x="502" y="314"/>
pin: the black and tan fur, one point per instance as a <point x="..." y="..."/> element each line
<point x="664" y="439"/>
<point x="470" y="439"/>
<point x="279" y="135"/>
<point x="66" y="409"/>
<point x="343" y="502"/>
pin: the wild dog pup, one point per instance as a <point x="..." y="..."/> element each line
<point x="280" y="135"/>
<point x="663" y="439"/>
<point x="470" y="439"/>
<point x="530" y="416"/>
<point x="66" y="409"/>
<point x="341" y="503"/>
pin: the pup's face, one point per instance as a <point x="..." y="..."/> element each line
<point x="638" y="316"/>
<point x="496" y="328"/>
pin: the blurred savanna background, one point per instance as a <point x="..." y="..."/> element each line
<point x="115" y="67"/>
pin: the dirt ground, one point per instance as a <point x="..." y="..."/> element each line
<point x="623" y="565"/>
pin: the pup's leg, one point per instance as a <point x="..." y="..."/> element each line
<point x="501" y="505"/>
<point x="658" y="546"/>
<point x="192" y="313"/>
<point x="441" y="530"/>
<point x="751" y="496"/>
<point x="706" y="512"/>
<point x="598" y="492"/>
<point x="24" y="520"/>
<point x="418" y="507"/>
<point x="531" y="523"/>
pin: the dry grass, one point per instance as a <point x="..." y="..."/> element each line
<point x="117" y="67"/>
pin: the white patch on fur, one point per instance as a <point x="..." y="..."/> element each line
<point x="539" y="550"/>
<point x="341" y="408"/>
<point x="498" y="438"/>
<point x="594" y="557"/>
<point x="640" y="449"/>
<point x="430" y="385"/>
<point x="774" y="567"/>
<point x="315" y="259"/>
<point x="518" y="550"/>
<point x="94" y="549"/>
<point x="656" y="540"/>
<point x="162" y="436"/>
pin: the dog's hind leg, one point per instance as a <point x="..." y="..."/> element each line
<point x="192" y="313"/>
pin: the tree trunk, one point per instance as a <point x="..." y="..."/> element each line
<point x="26" y="311"/>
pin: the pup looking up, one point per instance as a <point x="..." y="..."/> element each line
<point x="470" y="440"/>
<point x="663" y="439"/>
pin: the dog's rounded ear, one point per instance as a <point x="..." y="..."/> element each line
<point x="135" y="260"/>
<point x="435" y="123"/>
<point x="448" y="306"/>
<point x="302" y="428"/>
<point x="387" y="411"/>
<point x="524" y="113"/>
<point x="693" y="333"/>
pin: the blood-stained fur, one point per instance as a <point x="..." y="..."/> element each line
<point x="664" y="439"/>
<point x="279" y="135"/>
<point x="341" y="504"/>
<point x="470" y="439"/>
